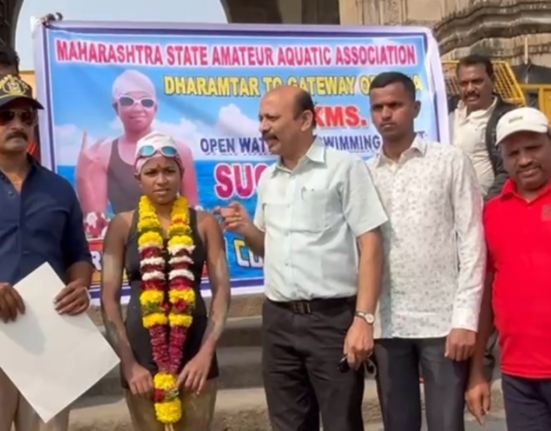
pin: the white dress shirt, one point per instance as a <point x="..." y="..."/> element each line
<point x="312" y="216"/>
<point x="469" y="134"/>
<point x="435" y="253"/>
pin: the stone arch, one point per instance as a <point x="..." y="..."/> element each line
<point x="237" y="11"/>
<point x="261" y="11"/>
<point x="282" y="11"/>
<point x="9" y="14"/>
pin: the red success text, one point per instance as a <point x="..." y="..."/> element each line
<point x="237" y="180"/>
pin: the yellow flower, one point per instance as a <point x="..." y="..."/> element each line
<point x="180" y="320"/>
<point x="180" y="204"/>
<point x="148" y="224"/>
<point x="187" y="295"/>
<point x="154" y="319"/>
<point x="180" y="209"/>
<point x="180" y="240"/>
<point x="169" y="412"/>
<point x="148" y="297"/>
<point x="178" y="228"/>
<point x="150" y="238"/>
<point x="146" y="205"/>
<point x="164" y="381"/>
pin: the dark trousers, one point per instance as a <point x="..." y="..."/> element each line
<point x="301" y="352"/>
<point x="527" y="403"/>
<point x="399" y="362"/>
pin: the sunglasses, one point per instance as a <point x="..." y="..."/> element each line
<point x="370" y="368"/>
<point x="150" y="150"/>
<point x="27" y="118"/>
<point x="127" y="101"/>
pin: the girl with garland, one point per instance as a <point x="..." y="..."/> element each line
<point x="167" y="342"/>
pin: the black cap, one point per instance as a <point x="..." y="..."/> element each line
<point x="14" y="88"/>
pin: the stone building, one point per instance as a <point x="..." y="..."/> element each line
<point x="502" y="29"/>
<point x="391" y="12"/>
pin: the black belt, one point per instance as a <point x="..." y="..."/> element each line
<point x="315" y="305"/>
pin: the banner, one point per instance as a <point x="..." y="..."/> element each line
<point x="105" y="85"/>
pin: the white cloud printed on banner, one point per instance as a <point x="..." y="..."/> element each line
<point x="231" y="126"/>
<point x="231" y="123"/>
<point x="68" y="142"/>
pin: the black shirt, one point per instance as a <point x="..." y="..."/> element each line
<point x="42" y="223"/>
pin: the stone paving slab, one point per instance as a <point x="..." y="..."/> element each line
<point x="236" y="410"/>
<point x="495" y="421"/>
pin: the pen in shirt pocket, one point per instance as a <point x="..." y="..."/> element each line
<point x="305" y="191"/>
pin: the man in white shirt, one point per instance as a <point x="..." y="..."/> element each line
<point x="317" y="226"/>
<point x="434" y="265"/>
<point x="473" y="122"/>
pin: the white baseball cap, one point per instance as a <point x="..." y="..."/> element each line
<point x="521" y="120"/>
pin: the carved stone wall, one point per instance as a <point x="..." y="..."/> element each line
<point x="500" y="29"/>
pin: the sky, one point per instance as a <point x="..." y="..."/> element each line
<point x="202" y="11"/>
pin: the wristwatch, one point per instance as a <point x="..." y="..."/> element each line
<point x="368" y="317"/>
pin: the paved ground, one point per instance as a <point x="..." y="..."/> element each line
<point x="494" y="422"/>
<point x="242" y="410"/>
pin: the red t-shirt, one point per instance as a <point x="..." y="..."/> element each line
<point x="518" y="234"/>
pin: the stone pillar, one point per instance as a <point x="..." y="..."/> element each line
<point x="320" y="11"/>
<point x="291" y="11"/>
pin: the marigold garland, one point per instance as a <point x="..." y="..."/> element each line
<point x="167" y="304"/>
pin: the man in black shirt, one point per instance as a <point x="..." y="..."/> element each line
<point x="40" y="222"/>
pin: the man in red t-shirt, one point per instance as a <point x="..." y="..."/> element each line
<point x="518" y="234"/>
